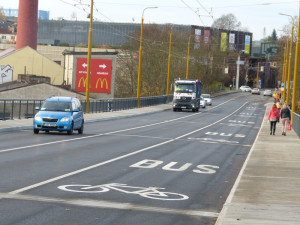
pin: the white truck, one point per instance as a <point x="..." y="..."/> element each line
<point x="187" y="94"/>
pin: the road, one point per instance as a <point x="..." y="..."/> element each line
<point x="161" y="168"/>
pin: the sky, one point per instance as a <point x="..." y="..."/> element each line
<point x="255" y="15"/>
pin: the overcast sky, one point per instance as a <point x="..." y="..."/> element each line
<point x="253" y="14"/>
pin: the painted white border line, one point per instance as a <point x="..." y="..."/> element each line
<point x="227" y="204"/>
<point x="118" y="158"/>
<point x="110" y="205"/>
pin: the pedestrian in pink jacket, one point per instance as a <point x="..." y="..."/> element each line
<point x="273" y="118"/>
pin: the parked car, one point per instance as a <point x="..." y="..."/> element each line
<point x="268" y="93"/>
<point x="207" y="98"/>
<point x="245" y="88"/>
<point x="202" y="102"/>
<point x="59" y="114"/>
<point x="255" y="91"/>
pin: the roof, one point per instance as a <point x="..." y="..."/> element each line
<point x="7" y="52"/>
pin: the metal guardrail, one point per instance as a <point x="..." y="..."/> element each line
<point x="25" y="108"/>
<point x="296" y="123"/>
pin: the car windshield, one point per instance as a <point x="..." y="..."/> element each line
<point x="206" y="96"/>
<point x="56" y="106"/>
<point x="185" y="88"/>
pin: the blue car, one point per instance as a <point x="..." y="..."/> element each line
<point x="59" y="114"/>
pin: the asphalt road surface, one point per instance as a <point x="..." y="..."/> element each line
<point x="162" y="168"/>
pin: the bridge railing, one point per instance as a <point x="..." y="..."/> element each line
<point x="25" y="108"/>
<point x="296" y="123"/>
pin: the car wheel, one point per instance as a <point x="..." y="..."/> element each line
<point x="70" y="132"/>
<point x="80" y="130"/>
<point x="36" y="131"/>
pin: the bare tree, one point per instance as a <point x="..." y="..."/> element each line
<point x="227" y="22"/>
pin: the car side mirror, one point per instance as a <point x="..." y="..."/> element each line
<point x="37" y="108"/>
<point x="75" y="110"/>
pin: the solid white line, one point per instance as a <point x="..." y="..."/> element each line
<point x="111" y="205"/>
<point x="117" y="158"/>
<point x="113" y="132"/>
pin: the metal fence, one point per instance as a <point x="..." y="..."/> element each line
<point x="296" y="123"/>
<point x="25" y="108"/>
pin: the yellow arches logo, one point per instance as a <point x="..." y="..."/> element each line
<point x="102" y="82"/>
<point x="83" y="80"/>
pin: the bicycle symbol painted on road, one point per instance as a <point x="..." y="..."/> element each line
<point x="149" y="192"/>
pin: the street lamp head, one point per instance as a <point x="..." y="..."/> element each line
<point x="150" y="7"/>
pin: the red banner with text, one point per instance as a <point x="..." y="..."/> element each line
<point x="100" y="80"/>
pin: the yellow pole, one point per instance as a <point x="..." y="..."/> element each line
<point x="257" y="75"/>
<point x="169" y="65"/>
<point x="286" y="67"/>
<point x="296" y="70"/>
<point x="187" y="60"/>
<point x="140" y="59"/>
<point x="283" y="74"/>
<point x="290" y="65"/>
<point x="88" y="74"/>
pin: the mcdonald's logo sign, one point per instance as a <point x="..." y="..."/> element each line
<point x="102" y="80"/>
<point x="82" y="80"/>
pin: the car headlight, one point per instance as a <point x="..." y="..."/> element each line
<point x="65" y="119"/>
<point x="37" y="118"/>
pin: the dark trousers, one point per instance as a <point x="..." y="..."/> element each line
<point x="273" y="126"/>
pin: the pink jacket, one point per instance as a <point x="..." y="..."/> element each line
<point x="273" y="114"/>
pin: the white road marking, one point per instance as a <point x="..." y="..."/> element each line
<point x="215" y="140"/>
<point x="97" y="135"/>
<point x="234" y="125"/>
<point x="108" y="204"/>
<point x="120" y="157"/>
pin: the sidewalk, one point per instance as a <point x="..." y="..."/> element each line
<point x="267" y="190"/>
<point x="26" y="124"/>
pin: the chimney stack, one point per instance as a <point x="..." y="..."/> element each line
<point x="27" y="24"/>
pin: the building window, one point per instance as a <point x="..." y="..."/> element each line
<point x="3" y="37"/>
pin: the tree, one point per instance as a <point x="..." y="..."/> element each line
<point x="274" y="35"/>
<point x="227" y="22"/>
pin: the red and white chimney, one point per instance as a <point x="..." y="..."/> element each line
<point x="27" y="24"/>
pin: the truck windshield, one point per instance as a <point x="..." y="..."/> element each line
<point x="184" y="88"/>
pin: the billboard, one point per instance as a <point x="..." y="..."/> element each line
<point x="223" y="42"/>
<point x="100" y="80"/>
<point x="206" y="37"/>
<point x="197" y="38"/>
<point x="247" y="44"/>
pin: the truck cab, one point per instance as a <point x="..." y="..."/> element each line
<point x="187" y="94"/>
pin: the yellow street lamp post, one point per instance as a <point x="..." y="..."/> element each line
<point x="296" y="70"/>
<point x="88" y="74"/>
<point x="169" y="65"/>
<point x="290" y="60"/>
<point x="188" y="58"/>
<point x="140" y="58"/>
<point x="284" y="71"/>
